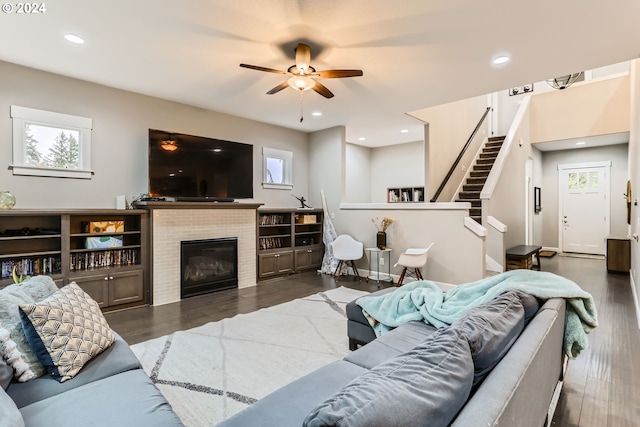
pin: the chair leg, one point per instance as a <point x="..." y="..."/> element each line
<point x="336" y="273"/>
<point x="355" y="270"/>
<point x="404" y="271"/>
<point x="419" y="274"/>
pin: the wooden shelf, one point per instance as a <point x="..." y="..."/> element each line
<point x="285" y="254"/>
<point x="108" y="283"/>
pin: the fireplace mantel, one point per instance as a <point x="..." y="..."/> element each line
<point x="173" y="222"/>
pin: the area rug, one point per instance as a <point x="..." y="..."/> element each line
<point x="213" y="371"/>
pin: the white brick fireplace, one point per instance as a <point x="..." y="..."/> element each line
<point x="171" y="226"/>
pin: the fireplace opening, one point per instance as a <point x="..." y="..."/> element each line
<point x="208" y="266"/>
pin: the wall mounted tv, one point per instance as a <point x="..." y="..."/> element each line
<point x="187" y="167"/>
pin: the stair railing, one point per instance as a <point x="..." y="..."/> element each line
<point x="454" y="166"/>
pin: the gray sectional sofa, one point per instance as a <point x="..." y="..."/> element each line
<point x="110" y="390"/>
<point x="107" y="388"/>
<point x="498" y="365"/>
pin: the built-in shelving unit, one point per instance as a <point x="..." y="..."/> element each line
<point x="405" y="194"/>
<point x="55" y="243"/>
<point x="289" y="241"/>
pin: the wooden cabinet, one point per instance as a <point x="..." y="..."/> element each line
<point x="110" y="266"/>
<point x="289" y="240"/>
<point x="110" y="289"/>
<point x="275" y="264"/>
<point x="306" y="259"/>
<point x="618" y="254"/>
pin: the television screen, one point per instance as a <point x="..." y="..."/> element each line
<point x="194" y="167"/>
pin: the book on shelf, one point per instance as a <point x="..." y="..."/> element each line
<point x="103" y="259"/>
<point x="272" y="219"/>
<point x="31" y="266"/>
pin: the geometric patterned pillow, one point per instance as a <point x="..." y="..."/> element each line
<point x="66" y="330"/>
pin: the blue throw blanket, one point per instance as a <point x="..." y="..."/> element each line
<point x="425" y="301"/>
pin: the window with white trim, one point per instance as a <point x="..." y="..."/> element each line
<point x="51" y="144"/>
<point x="277" y="169"/>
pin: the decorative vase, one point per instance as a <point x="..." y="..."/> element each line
<point x="381" y="240"/>
<point x="7" y="200"/>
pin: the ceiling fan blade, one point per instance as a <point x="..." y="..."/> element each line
<point x="268" y="70"/>
<point x="303" y="57"/>
<point x="336" y="74"/>
<point x="322" y="90"/>
<point x="278" y="88"/>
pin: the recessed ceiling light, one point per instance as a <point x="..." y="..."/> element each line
<point x="580" y="143"/>
<point x="217" y="150"/>
<point x="501" y="60"/>
<point x="316" y="113"/>
<point x="362" y="138"/>
<point x="74" y="39"/>
<point x="404" y="131"/>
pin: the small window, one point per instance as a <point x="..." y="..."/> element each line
<point x="51" y="144"/>
<point x="277" y="169"/>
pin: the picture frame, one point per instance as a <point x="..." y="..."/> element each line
<point x="537" y="203"/>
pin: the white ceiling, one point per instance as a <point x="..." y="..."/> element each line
<point x="414" y="53"/>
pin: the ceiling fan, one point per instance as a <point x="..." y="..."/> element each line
<point x="303" y="75"/>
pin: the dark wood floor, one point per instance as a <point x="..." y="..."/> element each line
<point x="602" y="386"/>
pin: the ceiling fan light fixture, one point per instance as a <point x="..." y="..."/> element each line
<point x="301" y="83"/>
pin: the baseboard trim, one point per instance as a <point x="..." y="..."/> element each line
<point x="636" y="303"/>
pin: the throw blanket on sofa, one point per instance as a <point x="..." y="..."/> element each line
<point x="425" y="301"/>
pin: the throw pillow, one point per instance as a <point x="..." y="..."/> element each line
<point x="17" y="351"/>
<point x="6" y="372"/>
<point x="66" y="330"/>
<point x="491" y="329"/>
<point x="427" y="385"/>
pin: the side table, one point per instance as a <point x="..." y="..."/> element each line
<point x="376" y="274"/>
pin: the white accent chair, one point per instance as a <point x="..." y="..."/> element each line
<point x="414" y="258"/>
<point x="346" y="250"/>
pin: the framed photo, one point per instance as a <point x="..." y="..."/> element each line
<point x="537" y="206"/>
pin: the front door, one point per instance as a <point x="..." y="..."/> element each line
<point x="584" y="208"/>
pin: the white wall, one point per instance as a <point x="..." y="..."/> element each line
<point x="508" y="105"/>
<point x="358" y="173"/>
<point x="634" y="176"/>
<point x="399" y="165"/>
<point x="327" y="170"/>
<point x="450" y="125"/>
<point x="617" y="154"/>
<point x="457" y="256"/>
<point x="120" y="139"/>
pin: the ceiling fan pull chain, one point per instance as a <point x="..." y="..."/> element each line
<point x="301" y="109"/>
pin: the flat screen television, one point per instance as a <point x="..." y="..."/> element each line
<point x="187" y="167"/>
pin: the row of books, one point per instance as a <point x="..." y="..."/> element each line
<point x="104" y="259"/>
<point x="274" y="219"/>
<point x="271" y="242"/>
<point x="31" y="266"/>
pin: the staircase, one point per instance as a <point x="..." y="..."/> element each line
<point x="477" y="177"/>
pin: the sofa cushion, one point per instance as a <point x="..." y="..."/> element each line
<point x="66" y="330"/>
<point x="491" y="329"/>
<point x="289" y="405"/>
<point x="23" y="361"/>
<point x="10" y="416"/>
<point x="425" y="386"/>
<point x="391" y="344"/>
<point x="126" y="399"/>
<point x="116" y="359"/>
